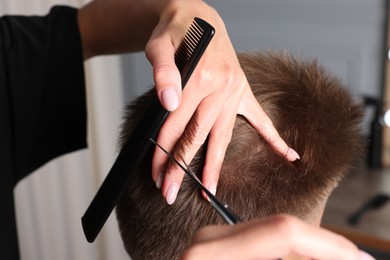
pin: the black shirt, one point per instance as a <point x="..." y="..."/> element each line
<point x="42" y="102"/>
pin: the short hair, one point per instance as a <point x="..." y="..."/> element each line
<point x="313" y="113"/>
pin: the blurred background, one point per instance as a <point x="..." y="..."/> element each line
<point x="349" y="37"/>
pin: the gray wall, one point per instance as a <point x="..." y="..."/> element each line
<point x="345" y="36"/>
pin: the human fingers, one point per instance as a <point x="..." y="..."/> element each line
<point x="271" y="238"/>
<point x="252" y="111"/>
<point x="171" y="23"/>
<point x="160" y="49"/>
<point x="218" y="141"/>
<point x="220" y="63"/>
<point x="211" y="75"/>
<point x="160" y="52"/>
<point x="194" y="136"/>
<point x="175" y="126"/>
<point x="215" y="117"/>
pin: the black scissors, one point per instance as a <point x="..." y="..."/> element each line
<point x="223" y="209"/>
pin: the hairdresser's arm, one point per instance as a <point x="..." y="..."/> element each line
<point x="275" y="237"/>
<point x="216" y="93"/>
<point x="117" y="26"/>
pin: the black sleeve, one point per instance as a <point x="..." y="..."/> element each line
<point x="42" y="102"/>
<point x="44" y="80"/>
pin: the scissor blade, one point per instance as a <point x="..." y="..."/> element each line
<point x="222" y="209"/>
<point x="169" y="155"/>
<point x="186" y="170"/>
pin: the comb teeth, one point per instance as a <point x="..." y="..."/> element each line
<point x="188" y="45"/>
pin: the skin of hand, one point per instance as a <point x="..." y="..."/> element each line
<point x="216" y="92"/>
<point x="274" y="237"/>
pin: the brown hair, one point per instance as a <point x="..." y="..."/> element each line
<point x="313" y="113"/>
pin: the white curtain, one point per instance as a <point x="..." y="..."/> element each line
<point x="51" y="201"/>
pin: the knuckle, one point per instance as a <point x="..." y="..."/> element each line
<point x="223" y="137"/>
<point x="285" y="225"/>
<point x="150" y="47"/>
<point x="174" y="131"/>
<point x="271" y="138"/>
<point x="193" y="252"/>
<point x="229" y="77"/>
<point x="164" y="69"/>
<point x="204" y="77"/>
<point x="200" y="136"/>
<point x="268" y="131"/>
<point x="234" y="76"/>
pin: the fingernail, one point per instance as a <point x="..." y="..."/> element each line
<point x="159" y="181"/>
<point x="213" y="188"/>
<point x="292" y="155"/>
<point x="170" y="99"/>
<point x="172" y="193"/>
<point x="365" y="256"/>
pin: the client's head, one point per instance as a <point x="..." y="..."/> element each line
<point x="313" y="113"/>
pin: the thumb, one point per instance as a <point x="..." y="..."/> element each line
<point x="161" y="54"/>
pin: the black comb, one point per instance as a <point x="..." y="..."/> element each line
<point x="138" y="145"/>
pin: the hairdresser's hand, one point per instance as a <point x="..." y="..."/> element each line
<point x="215" y="94"/>
<point x="275" y="237"/>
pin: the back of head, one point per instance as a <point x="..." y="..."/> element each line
<point x="313" y="113"/>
